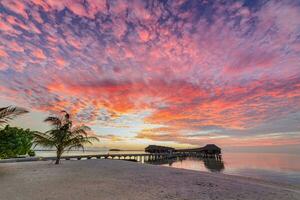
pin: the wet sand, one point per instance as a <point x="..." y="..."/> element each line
<point x="118" y="180"/>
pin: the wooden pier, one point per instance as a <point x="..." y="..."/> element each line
<point x="153" y="153"/>
<point x="144" y="157"/>
<point x="137" y="157"/>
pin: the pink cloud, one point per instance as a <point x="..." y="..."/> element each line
<point x="14" y="46"/>
<point x="16" y="6"/>
<point x="60" y="62"/>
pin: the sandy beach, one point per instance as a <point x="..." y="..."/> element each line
<point x="115" y="179"/>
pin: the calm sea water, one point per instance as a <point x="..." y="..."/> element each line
<point x="282" y="168"/>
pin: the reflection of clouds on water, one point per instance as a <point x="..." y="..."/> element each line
<point x="210" y="164"/>
<point x="166" y="162"/>
<point x="281" y="168"/>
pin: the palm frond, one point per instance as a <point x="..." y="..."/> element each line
<point x="55" y="121"/>
<point x="67" y="115"/>
<point x="10" y="112"/>
<point x="76" y="146"/>
<point x="43" y="139"/>
<point x="93" y="138"/>
<point x="80" y="130"/>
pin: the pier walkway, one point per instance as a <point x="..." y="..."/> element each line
<point x="132" y="157"/>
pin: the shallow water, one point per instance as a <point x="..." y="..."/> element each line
<point x="281" y="168"/>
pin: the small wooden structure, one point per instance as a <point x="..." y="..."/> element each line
<point x="158" y="149"/>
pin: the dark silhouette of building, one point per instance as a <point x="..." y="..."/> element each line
<point x="211" y="149"/>
<point x="158" y="149"/>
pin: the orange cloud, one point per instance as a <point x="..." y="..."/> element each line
<point x="39" y="54"/>
<point x="144" y="35"/>
<point x="3" y="53"/>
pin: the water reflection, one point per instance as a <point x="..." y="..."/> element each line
<point x="214" y="165"/>
<point x="210" y="164"/>
<point x="280" y="168"/>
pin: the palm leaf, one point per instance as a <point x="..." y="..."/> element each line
<point x="43" y="140"/>
<point x="9" y="112"/>
<point x="55" y="121"/>
<point x="80" y="130"/>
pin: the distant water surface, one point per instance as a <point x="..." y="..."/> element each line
<point x="282" y="168"/>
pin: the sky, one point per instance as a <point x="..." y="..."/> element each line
<point x="178" y="73"/>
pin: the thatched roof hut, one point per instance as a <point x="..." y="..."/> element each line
<point x="207" y="149"/>
<point x="211" y="149"/>
<point x="158" y="149"/>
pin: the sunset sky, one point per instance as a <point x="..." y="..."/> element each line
<point x="177" y="73"/>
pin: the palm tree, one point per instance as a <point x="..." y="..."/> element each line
<point x="10" y="112"/>
<point x="63" y="136"/>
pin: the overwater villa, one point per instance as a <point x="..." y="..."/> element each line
<point x="209" y="149"/>
<point x="159" y="149"/>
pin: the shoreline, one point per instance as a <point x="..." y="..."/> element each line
<point x="117" y="179"/>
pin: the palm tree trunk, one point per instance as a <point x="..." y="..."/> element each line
<point x="57" y="160"/>
<point x="58" y="155"/>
